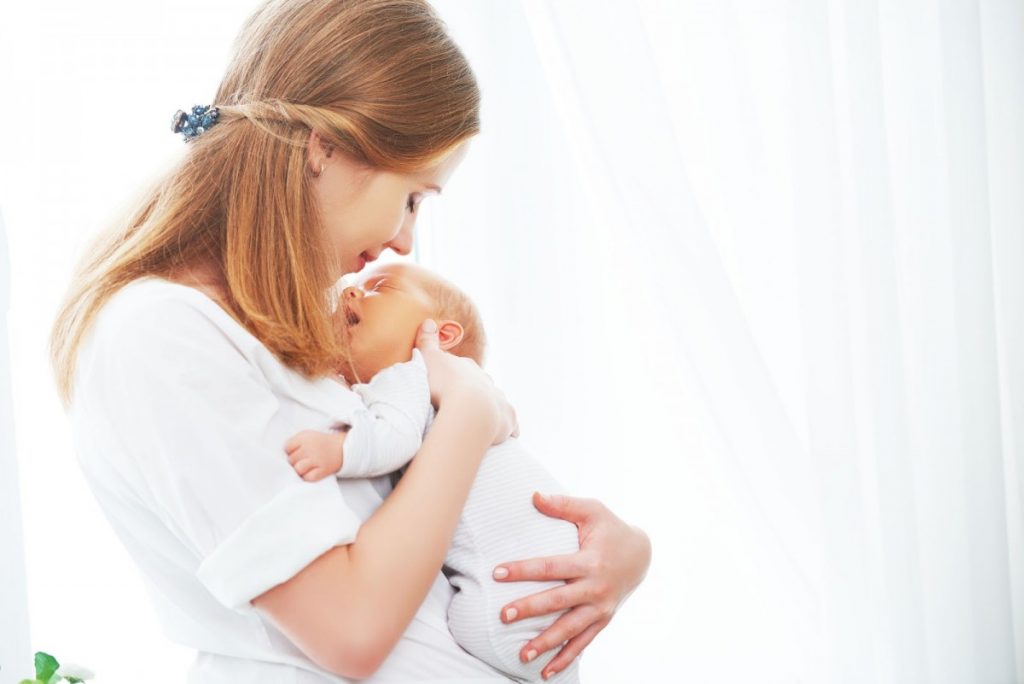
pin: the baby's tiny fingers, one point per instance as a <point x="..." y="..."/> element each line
<point x="315" y="474"/>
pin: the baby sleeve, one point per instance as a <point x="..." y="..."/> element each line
<point x="200" y="434"/>
<point x="388" y="432"/>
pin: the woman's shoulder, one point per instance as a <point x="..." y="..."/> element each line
<point x="152" y="309"/>
<point x="153" y="333"/>
<point x="154" y="330"/>
<point x="154" y="321"/>
<point x="135" y="300"/>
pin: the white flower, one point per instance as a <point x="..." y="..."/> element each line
<point x="72" y="671"/>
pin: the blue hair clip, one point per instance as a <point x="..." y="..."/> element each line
<point x="194" y="124"/>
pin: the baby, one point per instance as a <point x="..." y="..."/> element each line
<point x="382" y="434"/>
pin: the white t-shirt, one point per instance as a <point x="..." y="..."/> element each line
<point x="180" y="417"/>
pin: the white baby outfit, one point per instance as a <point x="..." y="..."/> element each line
<point x="179" y="419"/>
<point x="498" y="523"/>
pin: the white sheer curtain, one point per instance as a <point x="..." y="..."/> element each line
<point x="15" y="657"/>
<point x="752" y="272"/>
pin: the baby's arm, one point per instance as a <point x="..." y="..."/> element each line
<point x="389" y="431"/>
<point x="380" y="436"/>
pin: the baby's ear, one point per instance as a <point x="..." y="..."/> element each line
<point x="449" y="334"/>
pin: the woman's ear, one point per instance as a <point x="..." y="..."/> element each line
<point x="323" y="149"/>
<point x="449" y="334"/>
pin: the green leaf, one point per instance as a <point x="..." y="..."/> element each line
<point x="54" y="679"/>
<point x="46" y="666"/>
<point x="30" y="681"/>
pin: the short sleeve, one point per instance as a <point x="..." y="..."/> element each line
<point x="199" y="432"/>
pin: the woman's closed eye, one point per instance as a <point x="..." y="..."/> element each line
<point x="414" y="201"/>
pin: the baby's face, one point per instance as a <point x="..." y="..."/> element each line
<point x="385" y="310"/>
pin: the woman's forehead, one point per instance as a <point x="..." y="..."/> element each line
<point x="438" y="173"/>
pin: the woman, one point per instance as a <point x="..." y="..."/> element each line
<point x="198" y="335"/>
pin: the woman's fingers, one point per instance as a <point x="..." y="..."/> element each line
<point x="449" y="375"/>
<point x="573" y="649"/>
<point x="561" y="630"/>
<point x="566" y="567"/>
<point x="572" y="508"/>
<point x="544" y="602"/>
<point x="427" y="336"/>
<point x="613" y="559"/>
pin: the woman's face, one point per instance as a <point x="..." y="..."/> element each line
<point x="368" y="211"/>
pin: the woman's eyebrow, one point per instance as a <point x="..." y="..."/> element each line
<point x="436" y="188"/>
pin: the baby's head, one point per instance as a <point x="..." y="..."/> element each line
<point x="383" y="313"/>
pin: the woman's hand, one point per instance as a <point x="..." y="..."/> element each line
<point x="458" y="378"/>
<point x="612" y="560"/>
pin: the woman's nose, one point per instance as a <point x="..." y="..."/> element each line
<point x="352" y="293"/>
<point x="402" y="243"/>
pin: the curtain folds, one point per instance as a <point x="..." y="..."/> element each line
<point x="803" y="227"/>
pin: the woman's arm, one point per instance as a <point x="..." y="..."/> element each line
<point x="612" y="561"/>
<point x="347" y="609"/>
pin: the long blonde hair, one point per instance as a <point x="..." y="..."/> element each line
<point x="380" y="81"/>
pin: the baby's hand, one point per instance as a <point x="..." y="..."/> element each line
<point x="315" y="455"/>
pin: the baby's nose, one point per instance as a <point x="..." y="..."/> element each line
<point x="352" y="293"/>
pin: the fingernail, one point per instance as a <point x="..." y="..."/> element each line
<point x="430" y="325"/>
<point x="510" y="614"/>
<point x="500" y="573"/>
<point x="548" y="674"/>
<point x="530" y="655"/>
<point x="544" y="497"/>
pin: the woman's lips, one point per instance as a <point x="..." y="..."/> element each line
<point x="366" y="258"/>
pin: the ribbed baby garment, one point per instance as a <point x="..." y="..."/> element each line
<point x="499" y="523"/>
